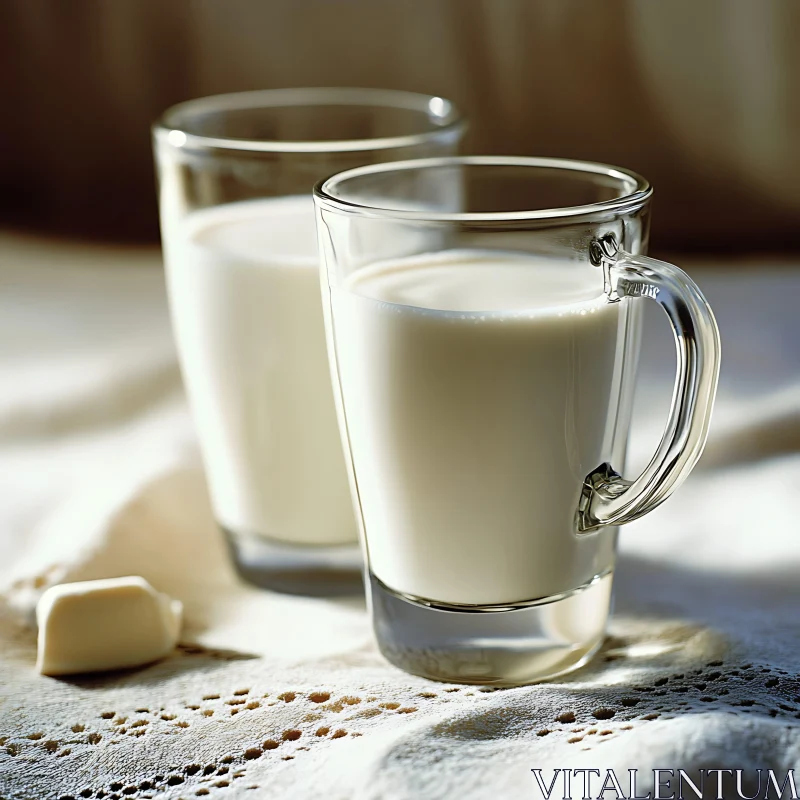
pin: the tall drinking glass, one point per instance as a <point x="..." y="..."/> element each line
<point x="237" y="221"/>
<point x="483" y="328"/>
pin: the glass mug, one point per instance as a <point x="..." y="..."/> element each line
<point x="237" y="221"/>
<point x="483" y="322"/>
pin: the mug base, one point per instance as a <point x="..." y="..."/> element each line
<point x="508" y="645"/>
<point x="312" y="570"/>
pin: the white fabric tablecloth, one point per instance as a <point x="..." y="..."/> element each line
<point x="99" y="476"/>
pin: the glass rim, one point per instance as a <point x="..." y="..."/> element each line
<point x="172" y="123"/>
<point x="637" y="195"/>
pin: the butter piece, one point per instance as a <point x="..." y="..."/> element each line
<point x="92" y="626"/>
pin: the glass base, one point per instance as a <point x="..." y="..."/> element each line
<point x="491" y="645"/>
<point x="314" y="570"/>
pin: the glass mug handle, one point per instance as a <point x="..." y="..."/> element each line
<point x="607" y="498"/>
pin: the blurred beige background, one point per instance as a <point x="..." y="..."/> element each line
<point x="702" y="98"/>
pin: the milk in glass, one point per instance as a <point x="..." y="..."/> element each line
<point x="245" y="299"/>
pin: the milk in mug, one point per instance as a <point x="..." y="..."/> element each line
<point x="478" y="390"/>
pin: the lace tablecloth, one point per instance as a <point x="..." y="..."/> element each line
<point x="277" y="696"/>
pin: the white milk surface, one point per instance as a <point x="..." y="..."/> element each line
<point x="478" y="392"/>
<point x="245" y="299"/>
